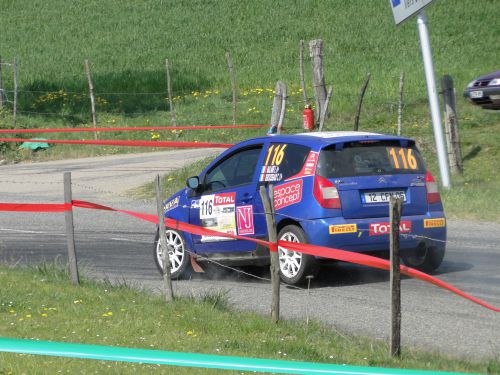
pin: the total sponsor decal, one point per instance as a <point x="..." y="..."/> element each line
<point x="342" y="228"/>
<point x="287" y="194"/>
<point x="435" y="223"/>
<point x="217" y="212"/>
<point x="244" y="219"/>
<point x="380" y="229"/>
<point x="171" y="204"/>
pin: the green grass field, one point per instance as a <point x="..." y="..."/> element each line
<point x="96" y="313"/>
<point x="128" y="43"/>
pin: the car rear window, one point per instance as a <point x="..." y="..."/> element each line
<point x="368" y="159"/>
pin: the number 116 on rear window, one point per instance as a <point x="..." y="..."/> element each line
<point x="402" y="158"/>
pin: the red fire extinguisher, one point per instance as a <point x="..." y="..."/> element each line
<point x="308" y="118"/>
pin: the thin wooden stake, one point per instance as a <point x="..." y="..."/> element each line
<point x="91" y="93"/>
<point x="301" y="68"/>
<point x="400" y="102"/>
<point x="316" y="54"/>
<point x="395" y="277"/>
<point x="268" y="202"/>
<point x="169" y="89"/>
<point x="70" y="230"/>
<point x="277" y="103"/>
<point x="360" y="102"/>
<point x="233" y="83"/>
<point x="451" y="125"/>
<point x="14" y="111"/>
<point x="165" y="257"/>
<point x="1" y="84"/>
<point x="325" y="109"/>
<point x="284" y="97"/>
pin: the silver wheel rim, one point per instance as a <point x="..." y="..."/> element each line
<point x="290" y="261"/>
<point x="175" y="248"/>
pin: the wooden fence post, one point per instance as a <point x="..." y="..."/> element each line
<point x="395" y="277"/>
<point x="233" y="83"/>
<point x="400" y="102"/>
<point x="1" y="83"/>
<point x="14" y="111"/>
<point x="277" y="103"/>
<point x="325" y="109"/>
<point x="91" y="93"/>
<point x="70" y="230"/>
<point x="169" y="89"/>
<point x="165" y="257"/>
<point x="316" y="53"/>
<point x="284" y="97"/>
<point x="360" y="101"/>
<point x="451" y="125"/>
<point x="268" y="202"/>
<point x="301" y="72"/>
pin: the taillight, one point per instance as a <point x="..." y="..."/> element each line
<point x="326" y="193"/>
<point x="432" y="189"/>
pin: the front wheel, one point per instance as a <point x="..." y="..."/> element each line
<point x="177" y="253"/>
<point x="294" y="266"/>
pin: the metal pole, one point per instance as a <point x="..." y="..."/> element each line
<point x="433" y="98"/>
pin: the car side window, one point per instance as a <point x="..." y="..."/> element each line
<point x="282" y="161"/>
<point x="237" y="169"/>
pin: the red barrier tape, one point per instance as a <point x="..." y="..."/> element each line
<point x="35" y="207"/>
<point x="171" y="223"/>
<point x="324" y="252"/>
<point x="131" y="128"/>
<point x="370" y="261"/>
<point x="104" y="142"/>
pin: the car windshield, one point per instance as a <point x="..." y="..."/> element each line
<point x="369" y="158"/>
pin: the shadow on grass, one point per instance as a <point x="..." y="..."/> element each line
<point x="127" y="92"/>
<point x="472" y="153"/>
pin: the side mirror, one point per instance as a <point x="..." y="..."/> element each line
<point x="193" y="182"/>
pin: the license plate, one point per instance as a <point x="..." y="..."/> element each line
<point x="476" y="94"/>
<point x="383" y="196"/>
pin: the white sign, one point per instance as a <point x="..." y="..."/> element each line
<point x="403" y="9"/>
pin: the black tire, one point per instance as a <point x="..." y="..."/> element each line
<point x="178" y="255"/>
<point x="294" y="266"/>
<point x="424" y="258"/>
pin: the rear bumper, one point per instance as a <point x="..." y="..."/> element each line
<point x="372" y="235"/>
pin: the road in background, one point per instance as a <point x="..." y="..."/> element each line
<point x="352" y="298"/>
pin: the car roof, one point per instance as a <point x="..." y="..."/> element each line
<point x="324" y="138"/>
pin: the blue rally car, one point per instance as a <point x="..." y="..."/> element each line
<point x="330" y="189"/>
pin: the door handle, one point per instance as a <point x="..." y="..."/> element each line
<point x="246" y="199"/>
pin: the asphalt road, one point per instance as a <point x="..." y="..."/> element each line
<point x="354" y="299"/>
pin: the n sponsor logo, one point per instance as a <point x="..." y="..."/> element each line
<point x="244" y="218"/>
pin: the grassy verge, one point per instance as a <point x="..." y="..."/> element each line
<point x="40" y="303"/>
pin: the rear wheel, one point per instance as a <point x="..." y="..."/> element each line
<point x="177" y="253"/>
<point x="294" y="266"/>
<point x="424" y="258"/>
